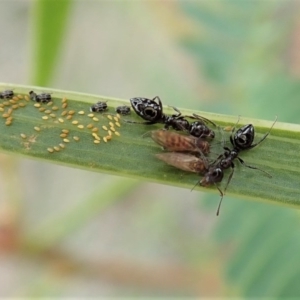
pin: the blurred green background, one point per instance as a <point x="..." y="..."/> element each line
<point x="67" y="232"/>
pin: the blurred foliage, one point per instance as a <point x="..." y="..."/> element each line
<point x="49" y="24"/>
<point x="58" y="228"/>
<point x="244" y="48"/>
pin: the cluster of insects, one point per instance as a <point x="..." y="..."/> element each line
<point x="53" y="112"/>
<point x="188" y="139"/>
<point x="188" y="151"/>
<point x="100" y="106"/>
<point x="152" y="112"/>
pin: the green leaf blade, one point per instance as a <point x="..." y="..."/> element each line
<point x="132" y="155"/>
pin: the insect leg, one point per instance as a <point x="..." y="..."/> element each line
<point x="144" y="123"/>
<point x="254" y="168"/>
<point x="230" y="177"/>
<point x="177" y="110"/>
<point x="221" y="194"/>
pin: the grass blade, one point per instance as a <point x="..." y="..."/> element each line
<point x="131" y="155"/>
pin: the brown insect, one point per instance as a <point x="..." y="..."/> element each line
<point x="185" y="162"/>
<point x="176" y="142"/>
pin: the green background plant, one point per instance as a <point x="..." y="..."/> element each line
<point x="229" y="57"/>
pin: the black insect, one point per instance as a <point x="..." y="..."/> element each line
<point x="8" y="94"/>
<point x="123" y="110"/>
<point x="43" y="97"/>
<point x="152" y="112"/>
<point x="148" y="109"/>
<point x="241" y="140"/>
<point x="98" y="107"/>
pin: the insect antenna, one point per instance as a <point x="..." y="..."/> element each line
<point x="205" y="120"/>
<point x="177" y="110"/>
<point x="264" y="137"/>
<point x="233" y="128"/>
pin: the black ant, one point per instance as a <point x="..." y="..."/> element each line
<point x="152" y="112"/>
<point x="240" y="141"/>
<point x="8" y="94"/>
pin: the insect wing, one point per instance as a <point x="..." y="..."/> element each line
<point x="173" y="141"/>
<point x="185" y="162"/>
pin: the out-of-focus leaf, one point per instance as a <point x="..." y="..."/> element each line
<point x="54" y="230"/>
<point x="49" y="20"/>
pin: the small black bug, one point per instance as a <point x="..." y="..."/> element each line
<point x="98" y="107"/>
<point x="123" y="110"/>
<point x="43" y="97"/>
<point x="152" y="112"/>
<point x="8" y="94"/>
<point x="241" y="140"/>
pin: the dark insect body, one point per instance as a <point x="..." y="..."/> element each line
<point x="98" y="107"/>
<point x="173" y="141"/>
<point x="43" y="97"/>
<point x="183" y="161"/>
<point x="241" y="140"/>
<point x="123" y="110"/>
<point x="8" y="94"/>
<point x="152" y="112"/>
